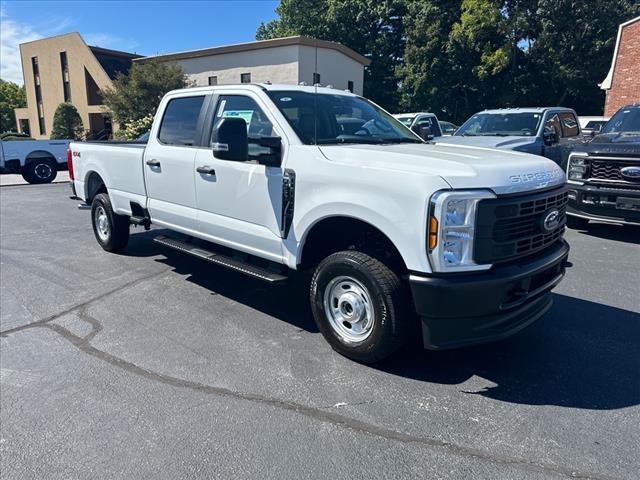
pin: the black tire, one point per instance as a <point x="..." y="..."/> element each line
<point x="40" y="170"/>
<point x="577" y="223"/>
<point x="115" y="236"/>
<point x="388" y="304"/>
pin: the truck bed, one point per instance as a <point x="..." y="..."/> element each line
<point x="119" y="164"/>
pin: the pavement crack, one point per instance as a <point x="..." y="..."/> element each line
<point x="322" y="414"/>
<point x="82" y="307"/>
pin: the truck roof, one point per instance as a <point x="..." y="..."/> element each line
<point x="269" y="87"/>
<point x="412" y="114"/>
<point x="525" y="110"/>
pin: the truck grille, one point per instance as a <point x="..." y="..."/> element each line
<point x="605" y="169"/>
<point x="512" y="227"/>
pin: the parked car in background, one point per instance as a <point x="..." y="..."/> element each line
<point x="262" y="179"/>
<point x="38" y="161"/>
<point x="604" y="174"/>
<point x="547" y="131"/>
<point x="447" y="128"/>
<point x="591" y="125"/>
<point x="424" y="124"/>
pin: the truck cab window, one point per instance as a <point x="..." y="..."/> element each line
<point x="258" y="125"/>
<point x="554" y="121"/>
<point x="180" y="121"/>
<point x="569" y="125"/>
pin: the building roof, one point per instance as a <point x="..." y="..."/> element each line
<point x="606" y="83"/>
<point x="260" y="44"/>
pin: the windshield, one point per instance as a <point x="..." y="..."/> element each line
<point x="339" y="119"/>
<point x="501" y="124"/>
<point x="626" y="120"/>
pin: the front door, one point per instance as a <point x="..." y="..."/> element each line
<point x="240" y="203"/>
<point x="169" y="164"/>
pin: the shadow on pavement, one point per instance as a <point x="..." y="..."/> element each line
<point x="581" y="354"/>
<point x="620" y="233"/>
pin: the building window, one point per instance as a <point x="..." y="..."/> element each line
<point x="38" y="91"/>
<point x="93" y="91"/>
<point x="64" y="67"/>
<point x="24" y="126"/>
<point x="213" y="80"/>
<point x="245" y="78"/>
<point x="350" y="86"/>
<point x="316" y="79"/>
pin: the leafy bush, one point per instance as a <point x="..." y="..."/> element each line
<point x="67" y="123"/>
<point x="135" y="128"/>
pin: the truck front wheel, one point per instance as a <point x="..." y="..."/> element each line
<point x="358" y="304"/>
<point x="111" y="230"/>
<point x="40" y="170"/>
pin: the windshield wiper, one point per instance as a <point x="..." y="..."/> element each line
<point x="341" y="141"/>
<point x="401" y="140"/>
<point x="468" y="134"/>
<point x="496" y="135"/>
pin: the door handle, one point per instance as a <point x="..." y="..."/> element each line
<point x="207" y="170"/>
<point x="153" y="163"/>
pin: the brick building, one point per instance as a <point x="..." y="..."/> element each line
<point x="622" y="84"/>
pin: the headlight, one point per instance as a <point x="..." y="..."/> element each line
<point x="577" y="167"/>
<point x="451" y="229"/>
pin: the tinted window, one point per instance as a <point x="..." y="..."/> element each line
<point x="569" y="124"/>
<point x="245" y="78"/>
<point x="180" y="120"/>
<point x="554" y="121"/>
<point x="325" y="119"/>
<point x="430" y="122"/>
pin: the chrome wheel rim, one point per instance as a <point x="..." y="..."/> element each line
<point x="43" y="170"/>
<point x="349" y="309"/>
<point x="102" y="223"/>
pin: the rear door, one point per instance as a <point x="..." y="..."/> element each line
<point x="169" y="162"/>
<point x="240" y="203"/>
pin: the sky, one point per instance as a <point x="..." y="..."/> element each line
<point x="143" y="27"/>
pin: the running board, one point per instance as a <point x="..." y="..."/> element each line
<point x="222" y="260"/>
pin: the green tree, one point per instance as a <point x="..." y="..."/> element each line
<point x="138" y="94"/>
<point x="11" y="96"/>
<point x="373" y="28"/>
<point x="66" y="123"/>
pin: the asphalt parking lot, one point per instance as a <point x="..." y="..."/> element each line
<point x="150" y="364"/>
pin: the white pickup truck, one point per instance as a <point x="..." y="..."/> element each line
<point x="37" y="160"/>
<point x="461" y="244"/>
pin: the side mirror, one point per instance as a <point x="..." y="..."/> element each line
<point x="266" y="150"/>
<point x="229" y="139"/>
<point x="549" y="135"/>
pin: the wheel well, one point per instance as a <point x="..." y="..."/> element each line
<point x="93" y="186"/>
<point x="334" y="234"/>
<point x="38" y="154"/>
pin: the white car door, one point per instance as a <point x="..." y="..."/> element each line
<point x="240" y="203"/>
<point x="169" y="163"/>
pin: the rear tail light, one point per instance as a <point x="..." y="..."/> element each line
<point x="70" y="164"/>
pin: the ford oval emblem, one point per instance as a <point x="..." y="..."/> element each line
<point x="551" y="220"/>
<point x="630" y="173"/>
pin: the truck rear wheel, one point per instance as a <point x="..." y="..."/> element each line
<point x="40" y="170"/>
<point x="111" y="230"/>
<point x="358" y="305"/>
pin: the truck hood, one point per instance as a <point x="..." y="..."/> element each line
<point x="460" y="166"/>
<point x="488" y="141"/>
<point x="616" y="138"/>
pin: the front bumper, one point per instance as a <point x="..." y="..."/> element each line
<point x="603" y="203"/>
<point x="461" y="310"/>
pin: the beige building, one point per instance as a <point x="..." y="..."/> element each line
<point x="65" y="69"/>
<point x="282" y="60"/>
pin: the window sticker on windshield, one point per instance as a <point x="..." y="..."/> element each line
<point x="246" y="115"/>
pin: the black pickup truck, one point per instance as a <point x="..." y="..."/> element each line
<point x="604" y="175"/>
